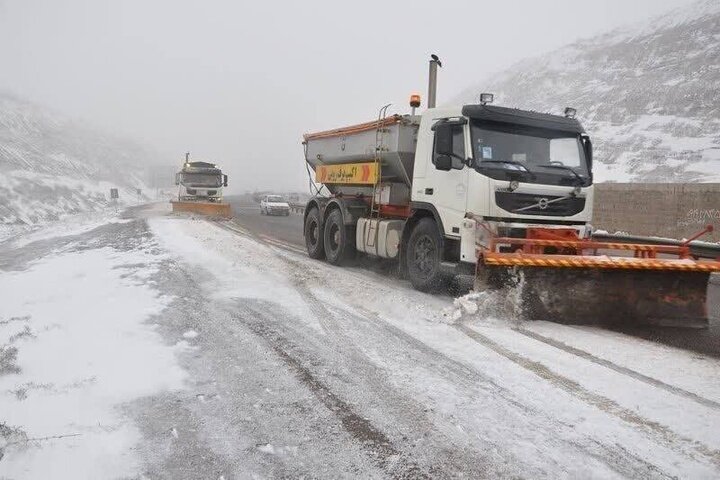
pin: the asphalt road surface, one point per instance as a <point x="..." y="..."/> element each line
<point x="285" y="229"/>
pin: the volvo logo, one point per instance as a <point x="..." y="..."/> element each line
<point x="542" y="203"/>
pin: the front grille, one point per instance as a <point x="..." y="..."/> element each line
<point x="191" y="191"/>
<point x="511" y="201"/>
<point x="212" y="192"/>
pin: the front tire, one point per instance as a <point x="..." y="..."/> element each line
<point x="339" y="239"/>
<point x="424" y="256"/>
<point x="314" y="241"/>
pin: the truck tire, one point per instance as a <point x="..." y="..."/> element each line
<point x="339" y="239"/>
<point x="424" y="255"/>
<point x="314" y="241"/>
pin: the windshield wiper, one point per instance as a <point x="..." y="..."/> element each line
<point x="566" y="168"/>
<point x="510" y="162"/>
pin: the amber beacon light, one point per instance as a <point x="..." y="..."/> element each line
<point x="414" y="101"/>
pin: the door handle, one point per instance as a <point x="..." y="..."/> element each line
<point x="429" y="191"/>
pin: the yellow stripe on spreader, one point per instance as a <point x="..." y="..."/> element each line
<point x="348" y="173"/>
<point x="609" y="264"/>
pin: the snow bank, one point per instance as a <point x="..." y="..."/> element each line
<point x="79" y="348"/>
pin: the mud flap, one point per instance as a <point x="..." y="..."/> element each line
<point x="605" y="297"/>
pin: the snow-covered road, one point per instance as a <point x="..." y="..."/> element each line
<point x="171" y="347"/>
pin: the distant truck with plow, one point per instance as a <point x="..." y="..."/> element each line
<point x="200" y="189"/>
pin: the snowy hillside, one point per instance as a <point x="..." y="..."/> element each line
<point x="50" y="166"/>
<point x="649" y="95"/>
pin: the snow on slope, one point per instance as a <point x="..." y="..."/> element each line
<point x="649" y="95"/>
<point x="51" y="166"/>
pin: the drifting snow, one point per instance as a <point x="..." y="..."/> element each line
<point x="77" y="326"/>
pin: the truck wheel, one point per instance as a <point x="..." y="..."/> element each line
<point x="314" y="235"/>
<point x="339" y="239"/>
<point x="424" y="252"/>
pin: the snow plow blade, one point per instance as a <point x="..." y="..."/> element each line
<point x="211" y="209"/>
<point x="578" y="288"/>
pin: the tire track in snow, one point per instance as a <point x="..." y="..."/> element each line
<point x="620" y="369"/>
<point x="669" y="438"/>
<point x="380" y="448"/>
<point x="329" y="318"/>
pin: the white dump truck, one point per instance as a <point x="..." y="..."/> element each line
<point x="503" y="192"/>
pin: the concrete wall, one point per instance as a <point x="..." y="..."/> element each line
<point x="672" y="210"/>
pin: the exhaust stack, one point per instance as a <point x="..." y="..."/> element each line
<point x="432" y="80"/>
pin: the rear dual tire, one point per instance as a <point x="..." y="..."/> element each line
<point x="314" y="242"/>
<point x="339" y="239"/>
<point x="331" y="240"/>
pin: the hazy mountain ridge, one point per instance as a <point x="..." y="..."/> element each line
<point x="50" y="165"/>
<point x="649" y="95"/>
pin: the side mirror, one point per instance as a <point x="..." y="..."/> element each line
<point x="444" y="139"/>
<point x="587" y="145"/>
<point x="177" y="179"/>
<point x="443" y="162"/>
<point x="224" y="180"/>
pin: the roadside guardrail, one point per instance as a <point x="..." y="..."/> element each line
<point x="697" y="248"/>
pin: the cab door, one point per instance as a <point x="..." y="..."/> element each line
<point x="447" y="189"/>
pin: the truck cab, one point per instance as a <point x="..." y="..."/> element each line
<point x="200" y="181"/>
<point x="505" y="168"/>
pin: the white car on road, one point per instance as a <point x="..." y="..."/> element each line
<point x="274" y="205"/>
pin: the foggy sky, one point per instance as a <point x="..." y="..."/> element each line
<point x="238" y="83"/>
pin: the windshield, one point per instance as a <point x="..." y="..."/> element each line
<point x="529" y="154"/>
<point x="201" y="179"/>
<point x="275" y="198"/>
